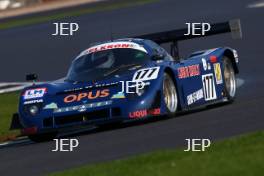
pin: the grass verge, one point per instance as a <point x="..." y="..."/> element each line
<point x="72" y="13"/>
<point x="8" y="105"/>
<point x="241" y="156"/>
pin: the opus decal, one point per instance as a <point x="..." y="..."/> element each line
<point x="188" y="71"/>
<point x="87" y="95"/>
<point x="83" y="107"/>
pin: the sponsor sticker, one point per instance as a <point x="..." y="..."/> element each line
<point x="118" y="95"/>
<point x="33" y="102"/>
<point x="194" y="97"/>
<point x="138" y="114"/>
<point x="113" y="45"/>
<point x="218" y="73"/>
<point x="87" y="96"/>
<point x="51" y="106"/>
<point x="34" y="93"/>
<point x="188" y="71"/>
<point x="82" y="108"/>
<point x="204" y="64"/>
<point x="143" y="113"/>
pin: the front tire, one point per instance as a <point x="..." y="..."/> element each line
<point x="170" y="94"/>
<point x="229" y="79"/>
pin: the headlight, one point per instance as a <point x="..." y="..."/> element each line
<point x="33" y="110"/>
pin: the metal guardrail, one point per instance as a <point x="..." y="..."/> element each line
<point x="13" y="86"/>
<point x="6" y="87"/>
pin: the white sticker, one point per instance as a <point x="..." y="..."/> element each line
<point x="33" y="101"/>
<point x="209" y="66"/>
<point x="146" y="74"/>
<point x="209" y="87"/>
<point x="34" y="93"/>
<point x="204" y="64"/>
<point x="192" y="98"/>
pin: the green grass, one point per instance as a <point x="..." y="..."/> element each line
<point x="72" y="13"/>
<point x="8" y="105"/>
<point x="243" y="156"/>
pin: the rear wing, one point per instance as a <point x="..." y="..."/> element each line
<point x="174" y="36"/>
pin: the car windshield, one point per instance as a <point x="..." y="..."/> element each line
<point x="100" y="64"/>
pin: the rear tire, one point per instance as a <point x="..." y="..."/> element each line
<point x="229" y="79"/>
<point x="170" y="94"/>
<point x="42" y="137"/>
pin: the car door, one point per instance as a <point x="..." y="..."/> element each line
<point x="194" y="84"/>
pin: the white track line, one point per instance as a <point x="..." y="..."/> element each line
<point x="13" y="89"/>
<point x="17" y="141"/>
<point x="258" y="4"/>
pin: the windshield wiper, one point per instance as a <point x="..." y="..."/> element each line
<point x="119" y="68"/>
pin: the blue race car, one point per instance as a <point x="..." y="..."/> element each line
<point x="129" y="79"/>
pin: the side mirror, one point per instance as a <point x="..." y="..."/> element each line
<point x="31" y="77"/>
<point x="157" y="56"/>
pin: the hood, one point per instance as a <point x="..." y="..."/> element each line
<point x="64" y="93"/>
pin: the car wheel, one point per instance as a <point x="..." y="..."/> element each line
<point x="229" y="78"/>
<point x="42" y="137"/>
<point x="170" y="94"/>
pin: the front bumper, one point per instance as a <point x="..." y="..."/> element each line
<point x="118" y="111"/>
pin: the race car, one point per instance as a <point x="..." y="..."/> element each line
<point x="129" y="79"/>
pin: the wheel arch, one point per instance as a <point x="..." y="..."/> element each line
<point x="230" y="54"/>
<point x="171" y="73"/>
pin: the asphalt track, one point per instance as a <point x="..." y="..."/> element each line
<point x="33" y="49"/>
